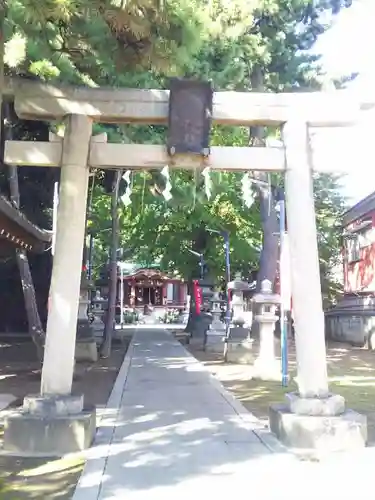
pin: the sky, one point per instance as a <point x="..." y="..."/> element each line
<point x="349" y="47"/>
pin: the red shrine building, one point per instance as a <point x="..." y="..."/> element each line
<point x="139" y="286"/>
<point x="152" y="287"/>
<point x="353" y="318"/>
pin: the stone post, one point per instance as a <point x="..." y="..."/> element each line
<point x="312" y="417"/>
<point x="216" y="312"/>
<point x="305" y="271"/>
<point x="58" y="364"/>
<point x="55" y="423"/>
<point x="86" y="349"/>
<point x="237" y="286"/>
<point x="98" y="311"/>
<point x="266" y="366"/>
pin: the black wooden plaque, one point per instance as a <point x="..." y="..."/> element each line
<point x="190" y="115"/>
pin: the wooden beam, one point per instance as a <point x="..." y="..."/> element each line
<point x="37" y="101"/>
<point x="146" y="157"/>
<point x="37" y="154"/>
<point x="139" y="157"/>
<point x="240" y="159"/>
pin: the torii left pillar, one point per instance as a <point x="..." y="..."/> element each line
<point x="55" y="422"/>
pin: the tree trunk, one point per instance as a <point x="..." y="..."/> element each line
<point x="199" y="244"/>
<point x="105" y="348"/>
<point x="33" y="318"/>
<point x="270" y="225"/>
<point x="192" y="309"/>
<point x="270" y="246"/>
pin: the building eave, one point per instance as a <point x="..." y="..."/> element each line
<point x="13" y="214"/>
<point x="362" y="208"/>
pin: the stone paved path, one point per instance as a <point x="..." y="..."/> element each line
<point x="178" y="435"/>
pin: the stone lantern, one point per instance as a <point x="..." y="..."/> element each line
<point x="99" y="305"/>
<point x="215" y="335"/>
<point x="237" y="287"/>
<point x="239" y="348"/>
<point x="207" y="293"/>
<point x="266" y="366"/>
<point x="86" y="349"/>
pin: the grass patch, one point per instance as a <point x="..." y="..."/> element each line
<point x="38" y="479"/>
<point x="351" y="374"/>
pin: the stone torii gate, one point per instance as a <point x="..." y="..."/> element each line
<point x="55" y="408"/>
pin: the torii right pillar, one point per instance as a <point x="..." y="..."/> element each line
<point x="312" y="417"/>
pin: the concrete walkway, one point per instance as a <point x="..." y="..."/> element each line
<point x="172" y="432"/>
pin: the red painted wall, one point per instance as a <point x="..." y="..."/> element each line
<point x="359" y="276"/>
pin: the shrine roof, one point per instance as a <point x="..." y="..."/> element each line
<point x="18" y="231"/>
<point x="148" y="273"/>
<point x="360" y="209"/>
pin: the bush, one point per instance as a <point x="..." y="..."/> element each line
<point x="171" y="317"/>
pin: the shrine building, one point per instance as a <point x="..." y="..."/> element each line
<point x="147" y="286"/>
<point x="353" y="318"/>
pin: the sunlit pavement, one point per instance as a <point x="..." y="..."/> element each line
<point x="178" y="435"/>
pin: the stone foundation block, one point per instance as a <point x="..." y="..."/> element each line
<point x="240" y="352"/>
<point x="239" y="333"/>
<point x="215" y="343"/>
<point x="344" y="432"/>
<point x="332" y="405"/>
<point x="53" y="405"/>
<point x="86" y="350"/>
<point x="29" y="434"/>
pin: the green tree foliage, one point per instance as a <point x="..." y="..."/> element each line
<point x="141" y="43"/>
<point x="95" y="42"/>
<point x="329" y="206"/>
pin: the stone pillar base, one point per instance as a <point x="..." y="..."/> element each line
<point x="316" y="424"/>
<point x="86" y="350"/>
<point x="214" y="341"/>
<point x="49" y="426"/>
<point x="266" y="370"/>
<point x="240" y="351"/>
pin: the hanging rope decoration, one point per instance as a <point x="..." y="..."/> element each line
<point x="168" y="186"/>
<point x="125" y="198"/>
<point x="206" y="173"/>
<point x="247" y="190"/>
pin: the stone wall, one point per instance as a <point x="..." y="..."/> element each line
<point x="352" y="320"/>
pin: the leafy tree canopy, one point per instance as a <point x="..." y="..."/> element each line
<point x="140" y="44"/>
